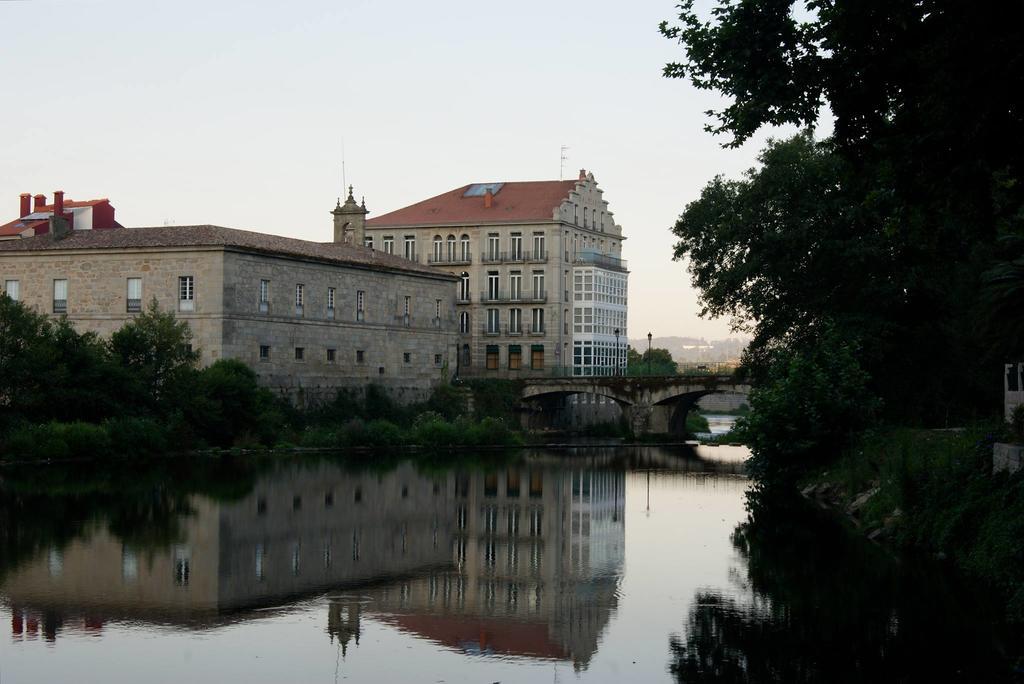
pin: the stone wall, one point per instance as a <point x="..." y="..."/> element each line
<point x="408" y="360"/>
<point x="98" y="287"/>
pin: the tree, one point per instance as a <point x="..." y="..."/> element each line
<point x="155" y="347"/>
<point x="27" y="357"/>
<point x="652" y="362"/>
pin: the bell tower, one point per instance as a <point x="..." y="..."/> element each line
<point x="350" y="220"/>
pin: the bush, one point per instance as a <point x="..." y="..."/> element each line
<point x="136" y="436"/>
<point x="57" y="441"/>
<point x="380" y="433"/>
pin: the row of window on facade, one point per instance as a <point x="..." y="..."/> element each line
<point x="133" y="294"/>
<point x="331" y="356"/>
<point x="598" y="357"/>
<point x="514" y="322"/>
<point x="187" y="295"/>
<point x="513" y="357"/>
<point x="599" y="286"/>
<point x="450" y="250"/>
<point x="593" y="223"/>
<point x="587" y="319"/>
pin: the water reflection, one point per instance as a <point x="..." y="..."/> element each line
<point x="520" y="560"/>
<point x="813" y="603"/>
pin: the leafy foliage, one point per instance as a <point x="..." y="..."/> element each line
<point x="657" y="362"/>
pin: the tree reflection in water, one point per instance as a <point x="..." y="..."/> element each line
<point x="819" y="604"/>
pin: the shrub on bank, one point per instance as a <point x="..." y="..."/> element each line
<point x="57" y="441"/>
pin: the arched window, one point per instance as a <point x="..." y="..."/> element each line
<point x="451" y="248"/>
<point x="464" y="287"/>
<point x="464" y="322"/>
<point x="465" y="247"/>
<point x="437" y="248"/>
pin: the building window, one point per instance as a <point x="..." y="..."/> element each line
<point x="438" y="249"/>
<point x="493" y="247"/>
<point x="299" y="297"/>
<point x="464" y="287"/>
<point x="464" y="242"/>
<point x="492" y="357"/>
<point x="516" y="246"/>
<point x="593" y="219"/>
<point x="437" y="313"/>
<point x="493" y="287"/>
<point x="537" y="357"/>
<point x="360" y="356"/>
<point x="360" y="297"/>
<point x="389" y="244"/>
<point x="264" y="352"/>
<point x="405" y="311"/>
<point x="537" y="324"/>
<point x="515" y="321"/>
<point x="576" y="214"/>
<point x="464" y="322"/>
<point x="515" y="357"/>
<point x="186" y="293"/>
<point x="368" y="241"/>
<point x="406" y="357"/>
<point x="451" y="248"/>
<point x="493" y="322"/>
<point x="515" y="286"/>
<point x="410" y="247"/>
<point x="467" y="356"/>
<point x="330" y="302"/>
<point x="134" y="295"/>
<point x="438" y="360"/>
<point x="60" y="296"/>
<point x="300" y="353"/>
<point x="13" y="289"/>
<point x="264" y="296"/>
<point x="538" y="246"/>
<point x="538" y="285"/>
<point x="331" y="355"/>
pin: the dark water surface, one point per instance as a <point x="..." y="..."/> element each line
<point x="607" y="565"/>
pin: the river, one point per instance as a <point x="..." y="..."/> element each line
<point x="640" y="564"/>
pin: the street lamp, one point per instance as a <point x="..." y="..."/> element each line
<point x="649" y="336"/>
<point x="617" y="354"/>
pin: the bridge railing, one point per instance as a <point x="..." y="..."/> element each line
<point x="713" y="369"/>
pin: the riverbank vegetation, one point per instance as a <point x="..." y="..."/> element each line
<point x="68" y="395"/>
<point x="879" y="269"/>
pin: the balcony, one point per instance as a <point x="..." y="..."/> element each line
<point x="463" y="298"/>
<point x="513" y="330"/>
<point x="513" y="257"/>
<point x="535" y="331"/>
<point x="443" y="260"/>
<point x="605" y="261"/>
<point x="535" y="297"/>
<point x="490" y="330"/>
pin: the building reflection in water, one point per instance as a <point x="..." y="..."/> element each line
<point x="525" y="561"/>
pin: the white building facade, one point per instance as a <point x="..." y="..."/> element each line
<point x="517" y="249"/>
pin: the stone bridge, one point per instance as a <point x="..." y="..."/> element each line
<point x="651" y="404"/>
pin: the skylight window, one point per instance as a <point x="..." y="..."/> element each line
<point x="480" y="189"/>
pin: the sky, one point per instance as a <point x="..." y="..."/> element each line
<point x="238" y="114"/>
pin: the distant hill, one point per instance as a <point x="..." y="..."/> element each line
<point x="695" y="348"/>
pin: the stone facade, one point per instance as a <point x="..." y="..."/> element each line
<point x="516" y="268"/>
<point x="403" y="338"/>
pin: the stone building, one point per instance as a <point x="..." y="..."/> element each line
<point x="308" y="317"/>
<point x="542" y="285"/>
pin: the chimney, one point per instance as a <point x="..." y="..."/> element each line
<point x="583" y="174"/>
<point x="26" y="205"/>
<point x="58" y="203"/>
<point x="488" y="199"/>
<point x="40" y="202"/>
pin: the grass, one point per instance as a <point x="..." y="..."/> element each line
<point x="937" y="494"/>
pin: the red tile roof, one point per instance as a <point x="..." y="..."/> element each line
<point x="73" y="204"/>
<point x="514" y="202"/>
<point x="482" y="635"/>
<point x="216" y="236"/>
<point x="18" y="226"/>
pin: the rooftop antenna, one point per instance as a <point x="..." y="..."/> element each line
<point x="561" y="162"/>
